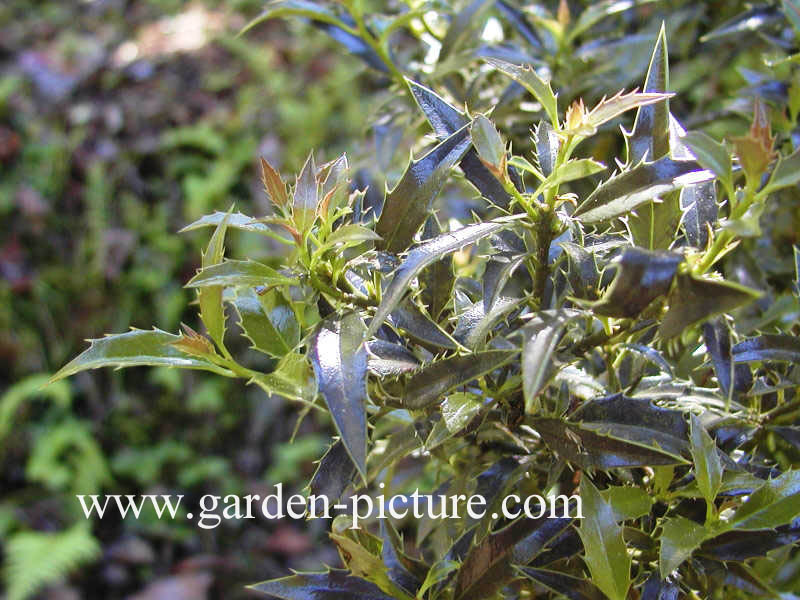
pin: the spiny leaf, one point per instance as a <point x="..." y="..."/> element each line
<point x="334" y="473"/>
<point x="433" y="381"/>
<point x="420" y="327"/>
<point x="604" y="549"/>
<point x="699" y="203"/>
<point x="238" y="272"/>
<point x="547" y="144"/>
<point x="387" y="359"/>
<point x="268" y="321"/>
<point x="679" y="539"/>
<point x="597" y="11"/>
<point x="132" y="349"/>
<point x="609" y="108"/>
<point x="235" y="220"/>
<point x="426" y="253"/>
<point x="650" y="136"/>
<point x="464" y="21"/>
<point x="446" y="120"/>
<point x="438" y="279"/>
<point x="642" y="276"/>
<point x="274" y="186"/>
<point x="406" y="206"/>
<point x="212" y="312"/>
<point x="487" y="566"/>
<point x="707" y="466"/>
<point x="531" y="81"/>
<point x="475" y="324"/>
<point x="333" y="585"/>
<point x="489" y="145"/>
<point x="540" y="339"/>
<point x="693" y="300"/>
<point x="340" y="365"/>
<point x="753" y="19"/>
<point x="775" y="503"/>
<point x="625" y="192"/>
<point x="306" y="196"/>
<point x="786" y="173"/>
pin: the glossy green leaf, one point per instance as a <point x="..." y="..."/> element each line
<point x="693" y="300"/>
<point x="335" y="472"/>
<point x="625" y="192"/>
<point x="707" y="466"/>
<point x="540" y="339"/>
<point x="291" y="379"/>
<point x="135" y="348"/>
<point x="350" y="235"/>
<point x="649" y="139"/>
<point x="435" y="380"/>
<point x="604" y="549"/>
<point x="333" y="585"/>
<point x="654" y="224"/>
<point x="775" y="503"/>
<point x="235" y="221"/>
<point x="426" y="253"/>
<point x="340" y="365"/>
<point x="268" y="321"/>
<point x="528" y="78"/>
<point x="387" y="359"/>
<point x="407" y="206"/>
<point x="294" y="8"/>
<point x="238" y="273"/>
<point x="576" y="168"/>
<point x="627" y="502"/>
<point x="679" y="539"/>
<point x="475" y="324"/>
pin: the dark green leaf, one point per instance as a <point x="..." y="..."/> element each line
<point x="546" y="143"/>
<point x="395" y="561"/>
<point x="699" y="203"/>
<point x="679" y="539"/>
<point x="487" y="565"/>
<point x="707" y="466"/>
<point x="406" y="207"/>
<point x="445" y="121"/>
<point x="717" y="337"/>
<point x="692" y="301"/>
<point x="657" y="589"/>
<point x="387" y="359"/>
<point x="431" y="383"/>
<point x="628" y="190"/>
<point x="604" y="549"/>
<point x="768" y="347"/>
<point x="333" y="585"/>
<point x="650" y="136"/>
<point x="426" y="253"/>
<point x="340" y="365"/>
<point x="420" y="327"/>
<point x="496" y="275"/>
<point x="741" y="545"/>
<point x="597" y="11"/>
<point x="642" y="276"/>
<point x="475" y="324"/>
<point x="268" y="321"/>
<point x="572" y="588"/>
<point x="334" y="473"/>
<point x="438" y="279"/>
<point x="520" y="23"/>
<point x="132" y="349"/>
<point x="540" y="339"/>
<point x="238" y="273"/>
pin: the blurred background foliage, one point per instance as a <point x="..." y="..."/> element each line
<point x="123" y="120"/>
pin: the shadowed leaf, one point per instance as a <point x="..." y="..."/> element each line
<point x="568" y="586"/>
<point x="680" y="538"/>
<point x="531" y="81"/>
<point x="768" y="347"/>
<point x="433" y="381"/>
<point x="333" y="585"/>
